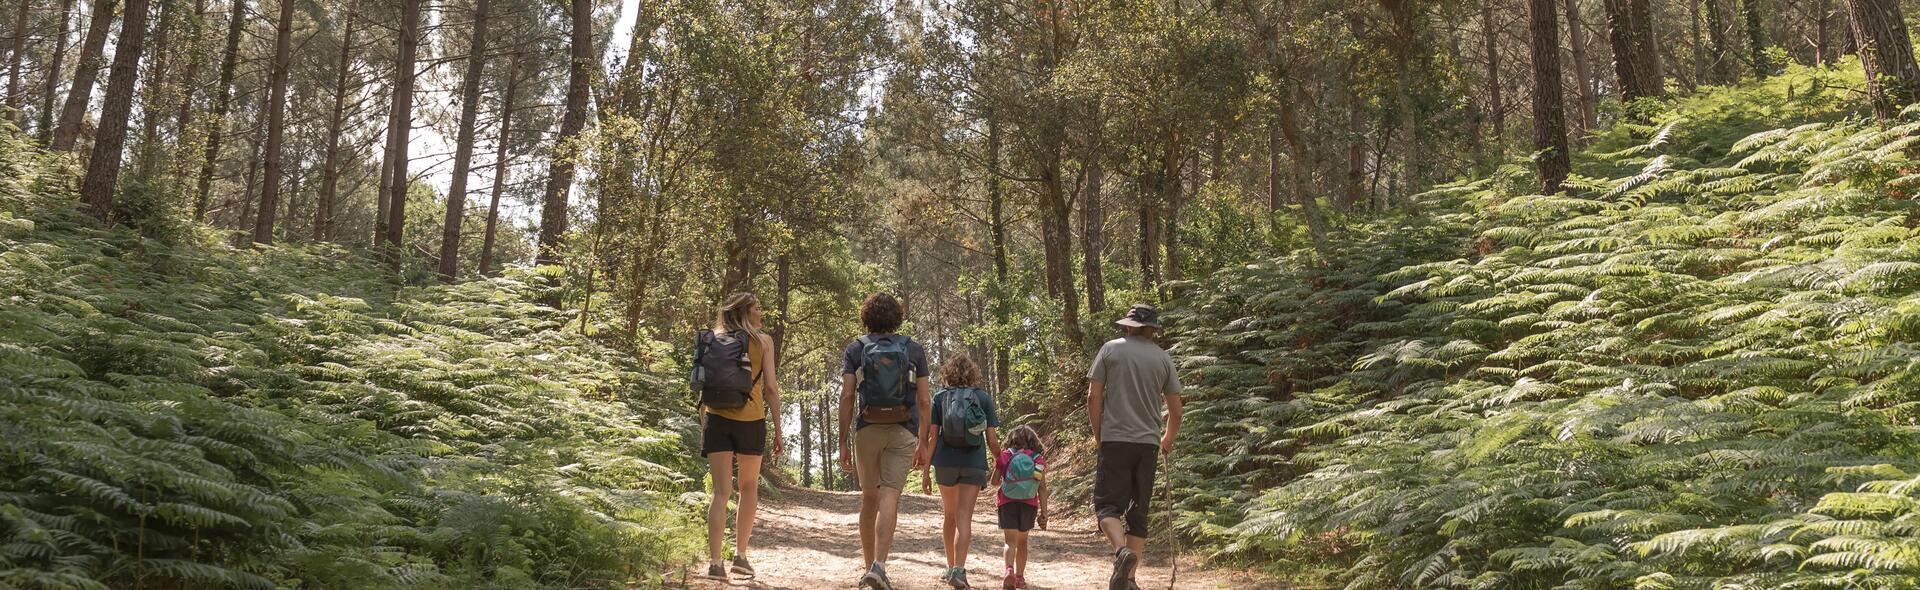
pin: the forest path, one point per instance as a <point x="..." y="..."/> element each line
<point x="807" y="540"/>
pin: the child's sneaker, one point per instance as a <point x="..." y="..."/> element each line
<point x="1009" y="580"/>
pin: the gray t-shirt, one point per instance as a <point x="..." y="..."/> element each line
<point x="1137" y="373"/>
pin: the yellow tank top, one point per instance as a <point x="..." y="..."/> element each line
<point x="756" y="408"/>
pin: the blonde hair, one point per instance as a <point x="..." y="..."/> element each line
<point x="960" y="371"/>
<point x="732" y="316"/>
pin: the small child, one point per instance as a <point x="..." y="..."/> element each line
<point x="1020" y="471"/>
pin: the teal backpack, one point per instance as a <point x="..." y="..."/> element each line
<point x="1019" y="482"/>
<point x="963" y="418"/>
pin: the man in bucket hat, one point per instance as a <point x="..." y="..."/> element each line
<point x="1131" y="383"/>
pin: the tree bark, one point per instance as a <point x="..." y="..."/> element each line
<point x="405" y="72"/>
<point x="1886" y="53"/>
<point x="1170" y="203"/>
<point x="1700" y="71"/>
<point x="1490" y="42"/>
<point x="159" y="87"/>
<point x="1756" y="39"/>
<point x="1588" y="97"/>
<point x="997" y="228"/>
<point x="323" y="210"/>
<point x="44" y="128"/>
<point x="103" y="168"/>
<point x="463" y="150"/>
<point x="553" y="208"/>
<point x="1093" y="221"/>
<point x="229" y="62"/>
<point x="502" y="160"/>
<point x="183" y="117"/>
<point x="1636" y="55"/>
<point x="1549" y="107"/>
<point x="1148" y="215"/>
<point x="1056" y="237"/>
<point x="276" y="125"/>
<point x="1719" y="66"/>
<point x="16" y="54"/>
<point x="1823" y="17"/>
<point x="85" y="73"/>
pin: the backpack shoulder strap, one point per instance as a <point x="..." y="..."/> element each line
<point x="865" y="341"/>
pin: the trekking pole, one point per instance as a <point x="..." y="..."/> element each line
<point x="1166" y="499"/>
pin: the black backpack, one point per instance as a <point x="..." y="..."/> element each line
<point x="723" y="374"/>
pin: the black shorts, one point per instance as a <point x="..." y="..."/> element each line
<point x="724" y="435"/>
<point x="1123" y="483"/>
<point x="953" y="476"/>
<point x="1018" y="516"/>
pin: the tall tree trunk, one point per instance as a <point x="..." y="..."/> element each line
<point x="502" y="160"/>
<point x="385" y="188"/>
<point x="1490" y="43"/>
<point x="1822" y="20"/>
<point x="1549" y="108"/>
<point x="1588" y="97"/>
<point x="1093" y="221"/>
<point x="1756" y="40"/>
<point x="222" y="102"/>
<point x="159" y="88"/>
<point x="553" y="208"/>
<point x="405" y="72"/>
<point x="1886" y="53"/>
<point x="86" y="71"/>
<point x="1056" y="236"/>
<point x="1148" y="214"/>
<point x="1171" y="202"/>
<point x="323" y="210"/>
<point x="463" y="150"/>
<point x="997" y="228"/>
<point x="183" y="117"/>
<point x="54" y="69"/>
<point x="16" y="54"/>
<point x="103" y="168"/>
<point x="1636" y="56"/>
<point x="1695" y="18"/>
<point x="276" y="125"/>
<point x="1719" y="65"/>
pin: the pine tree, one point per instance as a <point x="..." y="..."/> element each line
<point x="1549" y="108"/>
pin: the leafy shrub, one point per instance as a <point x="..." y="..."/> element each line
<point x="1694" y="370"/>
<point x="202" y="417"/>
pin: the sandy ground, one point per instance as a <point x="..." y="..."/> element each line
<point x="807" y="540"/>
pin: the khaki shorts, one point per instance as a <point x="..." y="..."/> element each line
<point x="882" y="455"/>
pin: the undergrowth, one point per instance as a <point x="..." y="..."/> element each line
<point x="1695" y="369"/>
<point x="186" y="415"/>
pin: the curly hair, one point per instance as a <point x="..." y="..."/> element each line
<point x="882" y="313"/>
<point x="1023" y="438"/>
<point x="960" y="371"/>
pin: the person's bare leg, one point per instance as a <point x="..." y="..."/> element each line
<point x="885" y="519"/>
<point x="869" y="520"/>
<point x="1020" y="553"/>
<point x="1011" y="554"/>
<point x="720" y="466"/>
<point x="969" y="497"/>
<point x="949" y="522"/>
<point x="749" y="503"/>
<point x="1115" y="530"/>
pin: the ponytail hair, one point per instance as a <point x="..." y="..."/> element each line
<point x="732" y="316"/>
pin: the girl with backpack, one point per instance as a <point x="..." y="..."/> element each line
<point x="1020" y="471"/>
<point x="964" y="419"/>
<point x="739" y="390"/>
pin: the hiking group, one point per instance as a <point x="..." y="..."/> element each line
<point x="891" y="423"/>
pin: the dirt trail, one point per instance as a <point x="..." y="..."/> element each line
<point x="807" y="540"/>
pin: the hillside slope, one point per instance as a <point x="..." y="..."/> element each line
<point x="1695" y="369"/>
<point x="188" y="416"/>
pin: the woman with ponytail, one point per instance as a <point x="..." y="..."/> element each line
<point x="737" y="435"/>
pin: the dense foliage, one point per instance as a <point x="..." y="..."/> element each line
<point x="1694" y="369"/>
<point x="189" y="416"/>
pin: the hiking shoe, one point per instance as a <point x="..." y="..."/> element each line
<point x="876" y="578"/>
<point x="1009" y="580"/>
<point x="740" y="566"/>
<point x="958" y="579"/>
<point x="716" y="572"/>
<point x="1124" y="560"/>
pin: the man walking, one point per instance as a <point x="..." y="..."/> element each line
<point x="1132" y="379"/>
<point x="884" y="376"/>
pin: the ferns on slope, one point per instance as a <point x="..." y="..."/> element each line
<point x="1696" y="374"/>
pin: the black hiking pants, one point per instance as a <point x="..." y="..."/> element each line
<point x="1123" y="482"/>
